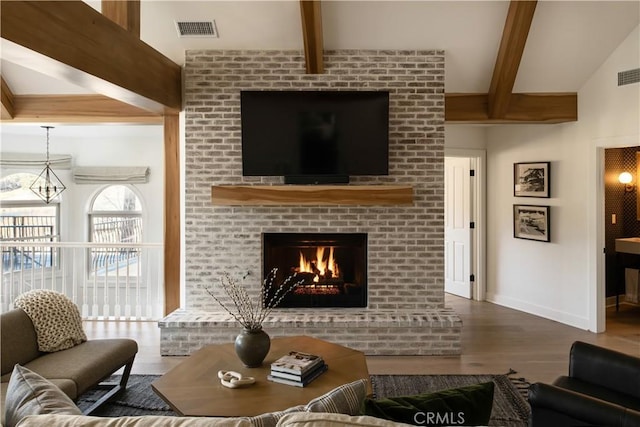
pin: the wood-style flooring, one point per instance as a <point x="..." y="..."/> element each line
<point x="495" y="339"/>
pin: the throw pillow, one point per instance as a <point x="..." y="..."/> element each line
<point x="270" y="419"/>
<point x="55" y="318"/>
<point x="464" y="406"/>
<point x="30" y="394"/>
<point x="345" y="399"/>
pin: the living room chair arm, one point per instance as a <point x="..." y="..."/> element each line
<point x="607" y="368"/>
<point x="113" y="388"/>
<point x="551" y="405"/>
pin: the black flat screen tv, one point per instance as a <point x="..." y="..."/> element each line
<point x="315" y="136"/>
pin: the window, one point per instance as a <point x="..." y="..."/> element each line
<point x="25" y="219"/>
<point x="115" y="217"/>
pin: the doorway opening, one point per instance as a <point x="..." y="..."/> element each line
<point x="621" y="221"/>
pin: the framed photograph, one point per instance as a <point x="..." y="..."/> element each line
<point x="531" y="179"/>
<point x="531" y="222"/>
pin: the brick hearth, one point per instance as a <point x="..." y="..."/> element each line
<point x="405" y="312"/>
<point x="435" y="332"/>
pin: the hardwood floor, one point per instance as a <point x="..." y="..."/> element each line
<point x="495" y="339"/>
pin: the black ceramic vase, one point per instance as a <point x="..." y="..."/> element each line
<point x="252" y="346"/>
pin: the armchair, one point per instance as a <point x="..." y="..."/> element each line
<point x="602" y="389"/>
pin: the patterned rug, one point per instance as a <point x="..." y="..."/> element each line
<point x="510" y="407"/>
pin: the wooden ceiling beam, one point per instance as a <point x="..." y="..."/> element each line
<point x="77" y="109"/>
<point x="523" y="108"/>
<point x="501" y="105"/>
<point x="172" y="196"/>
<point x="71" y="41"/>
<point x="124" y="13"/>
<point x="7" y="100"/>
<point x="514" y="38"/>
<point x="311" y="11"/>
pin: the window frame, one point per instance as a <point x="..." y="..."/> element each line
<point x="36" y="204"/>
<point x="56" y="237"/>
<point x="91" y="214"/>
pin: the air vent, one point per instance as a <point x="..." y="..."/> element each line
<point x="628" y="77"/>
<point x="197" y="29"/>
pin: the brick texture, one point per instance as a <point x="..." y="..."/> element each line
<point x="405" y="251"/>
<point x="434" y="332"/>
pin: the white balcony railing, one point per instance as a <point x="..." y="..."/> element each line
<point x="106" y="281"/>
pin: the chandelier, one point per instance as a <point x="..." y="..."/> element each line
<point x="47" y="185"/>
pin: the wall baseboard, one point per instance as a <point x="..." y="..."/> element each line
<point x="567" y="318"/>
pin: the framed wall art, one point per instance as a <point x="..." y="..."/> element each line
<point x="531" y="222"/>
<point x="531" y="179"/>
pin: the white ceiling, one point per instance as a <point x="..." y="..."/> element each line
<point x="568" y="40"/>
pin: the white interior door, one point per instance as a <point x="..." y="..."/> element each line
<point x="457" y="226"/>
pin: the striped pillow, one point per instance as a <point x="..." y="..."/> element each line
<point x="271" y="419"/>
<point x="345" y="399"/>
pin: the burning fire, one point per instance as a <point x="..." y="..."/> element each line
<point x="322" y="268"/>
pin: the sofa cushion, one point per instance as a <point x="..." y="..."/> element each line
<point x="18" y="338"/>
<point x="301" y="419"/>
<point x="348" y="398"/>
<point x="464" y="406"/>
<point x="55" y="317"/>
<point x="319" y="419"/>
<point x="30" y="394"/>
<point x="344" y="399"/>
<point x="86" y="364"/>
<point x="140" y="421"/>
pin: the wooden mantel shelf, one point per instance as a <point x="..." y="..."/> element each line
<point x="259" y="195"/>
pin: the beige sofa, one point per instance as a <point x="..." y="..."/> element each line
<point x="34" y="401"/>
<point x="74" y="370"/>
<point x="299" y="419"/>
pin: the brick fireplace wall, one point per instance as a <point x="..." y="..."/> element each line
<point x="406" y="256"/>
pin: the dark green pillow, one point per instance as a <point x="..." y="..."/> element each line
<point x="464" y="406"/>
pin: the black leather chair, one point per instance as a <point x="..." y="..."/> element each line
<point x="602" y="389"/>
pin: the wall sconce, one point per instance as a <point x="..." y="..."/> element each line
<point x="626" y="178"/>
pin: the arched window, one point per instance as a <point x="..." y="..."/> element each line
<point x="25" y="218"/>
<point x="115" y="216"/>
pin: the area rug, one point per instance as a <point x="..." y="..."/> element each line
<point x="510" y="408"/>
<point x="138" y="399"/>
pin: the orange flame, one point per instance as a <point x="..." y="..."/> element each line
<point x="322" y="266"/>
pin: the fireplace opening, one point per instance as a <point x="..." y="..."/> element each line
<point x="333" y="267"/>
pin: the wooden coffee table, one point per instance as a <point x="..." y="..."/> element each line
<point x="193" y="389"/>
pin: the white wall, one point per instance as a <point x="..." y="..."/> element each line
<point x="465" y="136"/>
<point x="559" y="280"/>
<point x="96" y="146"/>
<point x="612" y="119"/>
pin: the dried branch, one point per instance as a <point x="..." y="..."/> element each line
<point x="249" y="314"/>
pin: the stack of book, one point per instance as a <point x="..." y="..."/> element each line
<point x="297" y="369"/>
